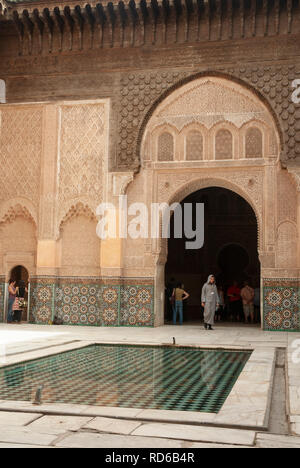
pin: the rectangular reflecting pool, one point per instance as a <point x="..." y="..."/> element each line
<point x="127" y="376"/>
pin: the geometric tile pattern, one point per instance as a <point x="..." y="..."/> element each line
<point x="91" y="302"/>
<point x="77" y="303"/>
<point x="153" y="377"/>
<point x="281" y="305"/>
<point x="137" y="306"/>
<point x="42" y="300"/>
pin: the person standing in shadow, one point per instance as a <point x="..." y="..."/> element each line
<point x="235" y="304"/>
<point x="210" y="302"/>
<point x="180" y="295"/>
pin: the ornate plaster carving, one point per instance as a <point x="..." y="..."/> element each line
<point x="78" y="209"/>
<point x="17" y="211"/>
<point x="295" y="172"/>
<point x="141" y="93"/>
<point x="249" y="185"/>
<point x="120" y="182"/>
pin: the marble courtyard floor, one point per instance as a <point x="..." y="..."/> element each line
<point x="262" y="410"/>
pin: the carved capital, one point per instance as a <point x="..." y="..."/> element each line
<point x="295" y="172"/>
<point x="120" y="182"/>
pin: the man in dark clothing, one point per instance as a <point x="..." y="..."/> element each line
<point x="234" y="296"/>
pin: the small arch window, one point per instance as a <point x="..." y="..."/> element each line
<point x="194" y="146"/>
<point x="2" y="92"/>
<point x="165" y="147"/>
<point x="254" y="143"/>
<point x="224" y="145"/>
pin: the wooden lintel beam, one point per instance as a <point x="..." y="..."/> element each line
<point x="40" y="27"/>
<point x="101" y="20"/>
<point x="70" y="23"/>
<point x="154" y="15"/>
<point x="277" y="16"/>
<point x="266" y="16"/>
<point x="91" y="20"/>
<point x="20" y="30"/>
<point x="242" y="17"/>
<point x="123" y="20"/>
<point x="253" y="14"/>
<point x="80" y="24"/>
<point x="111" y="15"/>
<point x="143" y="17"/>
<point x="134" y="17"/>
<point x="50" y="27"/>
<point x="289" y="7"/>
<point x="178" y="13"/>
<point x="29" y="27"/>
<point x="60" y="25"/>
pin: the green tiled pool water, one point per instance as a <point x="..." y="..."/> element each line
<point x="156" y="377"/>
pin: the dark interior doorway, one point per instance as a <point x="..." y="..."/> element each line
<point x="18" y="274"/>
<point x="229" y="251"/>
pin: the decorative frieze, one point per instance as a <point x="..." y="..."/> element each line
<point x="79" y="25"/>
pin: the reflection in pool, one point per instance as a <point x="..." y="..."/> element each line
<point x="153" y="377"/>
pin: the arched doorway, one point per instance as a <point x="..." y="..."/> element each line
<point x="230" y="248"/>
<point x="20" y="274"/>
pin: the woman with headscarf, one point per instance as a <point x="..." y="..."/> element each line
<point x="210" y="301"/>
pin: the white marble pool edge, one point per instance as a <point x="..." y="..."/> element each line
<point x="247" y="406"/>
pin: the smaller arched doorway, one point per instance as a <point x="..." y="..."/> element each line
<point x="20" y="275"/>
<point x="230" y="269"/>
<point x="230" y="250"/>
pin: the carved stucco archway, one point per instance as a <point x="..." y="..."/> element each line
<point x="245" y="180"/>
<point x="10" y="212"/>
<point x="177" y="197"/>
<point x="192" y="78"/>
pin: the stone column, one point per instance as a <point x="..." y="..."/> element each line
<point x="112" y="249"/>
<point x="267" y="249"/>
<point x="43" y="285"/>
<point x="295" y="171"/>
<point x="281" y="286"/>
<point x="46" y="249"/>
